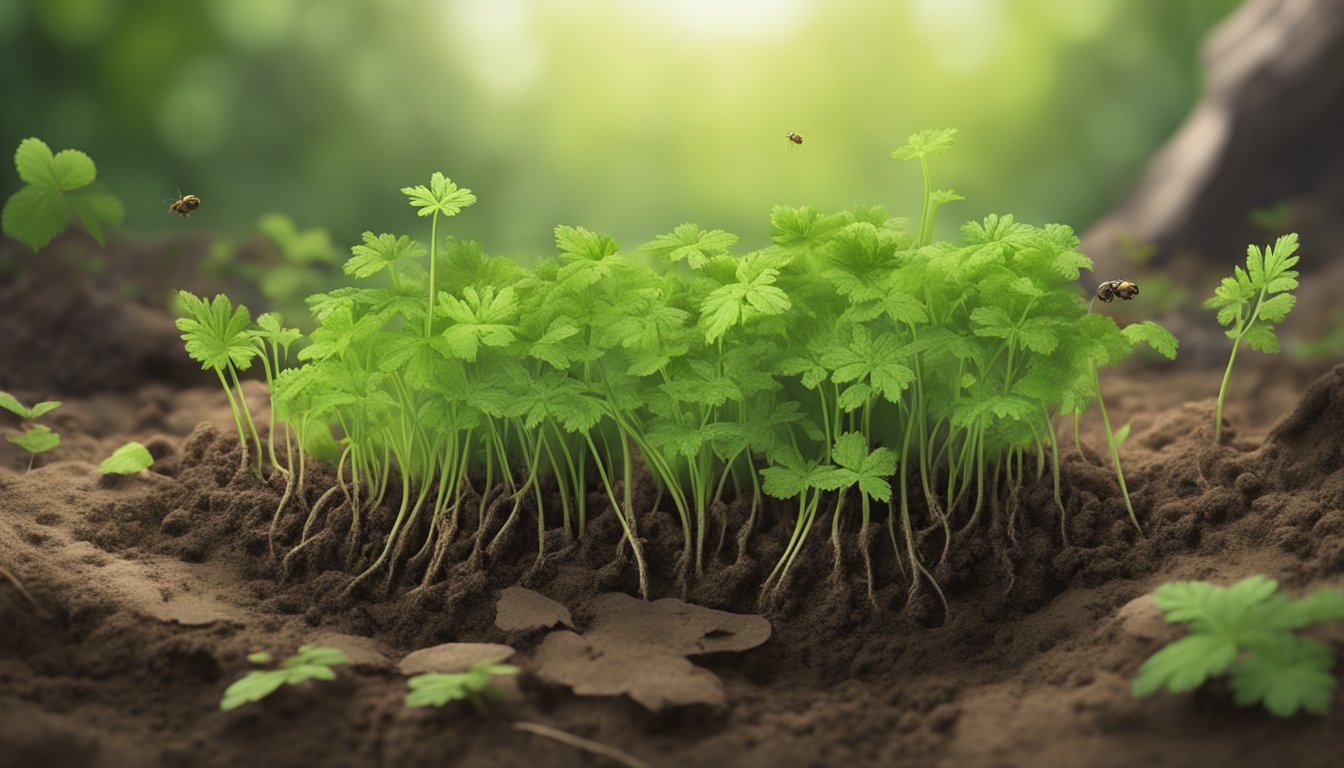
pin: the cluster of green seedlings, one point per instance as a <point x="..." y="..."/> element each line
<point x="37" y="439"/>
<point x="1249" y="632"/>
<point x="315" y="662"/>
<point x="853" y="366"/>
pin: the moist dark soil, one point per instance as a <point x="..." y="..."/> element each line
<point x="141" y="596"/>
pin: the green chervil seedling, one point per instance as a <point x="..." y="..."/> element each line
<point x="474" y="686"/>
<point x="1247" y="631"/>
<point x="312" y="662"/>
<point x="127" y="460"/>
<point x="36" y="438"/>
<point x="849" y="362"/>
<point x="1251" y="301"/>
<point x="217" y="337"/>
<point x="57" y="185"/>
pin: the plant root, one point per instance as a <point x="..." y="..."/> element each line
<point x="578" y="742"/>
<point x="279" y="510"/>
<point x="866" y="539"/>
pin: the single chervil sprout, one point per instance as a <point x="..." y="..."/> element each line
<point x="312" y="662"/>
<point x="1247" y="631"/>
<point x="475" y="686"/>
<point x="127" y="460"/>
<point x="36" y="439"/>
<point x="1251" y="301"/>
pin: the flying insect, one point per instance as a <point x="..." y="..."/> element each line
<point x="184" y="204"/>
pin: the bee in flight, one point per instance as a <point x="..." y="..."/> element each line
<point x="184" y="204"/>
<point x="1122" y="289"/>
<point x="1113" y="289"/>
<point x="795" y="138"/>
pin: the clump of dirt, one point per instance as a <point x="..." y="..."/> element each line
<point x="89" y="340"/>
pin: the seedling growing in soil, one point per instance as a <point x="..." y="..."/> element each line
<point x="475" y="686"/>
<point x="1251" y="301"/>
<point x="312" y="662"/>
<point x="217" y="337"/>
<point x="1249" y="632"/>
<point x="855" y="365"/>
<point x="127" y="460"/>
<point x="36" y="439"/>
<point x="56" y="185"/>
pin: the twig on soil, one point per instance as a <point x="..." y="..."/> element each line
<point x="19" y="586"/>
<point x="578" y="742"/>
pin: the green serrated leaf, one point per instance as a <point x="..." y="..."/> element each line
<point x="34" y="216"/>
<point x="926" y="143"/>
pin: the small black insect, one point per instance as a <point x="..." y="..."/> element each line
<point x="1121" y="289"/>
<point x="795" y="138"/>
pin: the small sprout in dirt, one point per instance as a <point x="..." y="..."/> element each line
<point x="217" y="337"/>
<point x="12" y="404"/>
<point x="1249" y="632"/>
<point x="127" y="460"/>
<point x="36" y="439"/>
<point x="476" y="686"/>
<point x="312" y="662"/>
<point x="1251" y="301"/>
<point x="56" y="185"/>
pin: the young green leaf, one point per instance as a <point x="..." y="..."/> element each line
<point x="312" y="662"/>
<point x="36" y="439"/>
<point x="693" y="245"/>
<point x="753" y="294"/>
<point x="127" y="460"/>
<point x="480" y="318"/>
<point x="1154" y="335"/>
<point x="476" y="686"/>
<point x="1252" y="301"/>
<point x="11" y="404"/>
<point x="1247" y="631"/>
<point x="381" y="252"/>
<point x="791" y="474"/>
<point x="215" y="332"/>
<point x="441" y="196"/>
<point x="859" y="466"/>
<point x="56" y="185"/>
<point x="926" y="144"/>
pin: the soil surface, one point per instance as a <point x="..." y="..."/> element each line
<point x="134" y="601"/>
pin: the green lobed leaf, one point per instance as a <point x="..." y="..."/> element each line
<point x="441" y="196"/>
<point x="380" y="252"/>
<point x="1154" y="335"/>
<point x="215" y="332"/>
<point x="34" y="216"/>
<point x="926" y="143"/>
<point x="96" y="208"/>
<point x="1185" y="664"/>
<point x="1293" y="676"/>
<point x="127" y="460"/>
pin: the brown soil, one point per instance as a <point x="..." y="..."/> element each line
<point x="149" y="591"/>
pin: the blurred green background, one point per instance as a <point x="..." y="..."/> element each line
<point x="625" y="116"/>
